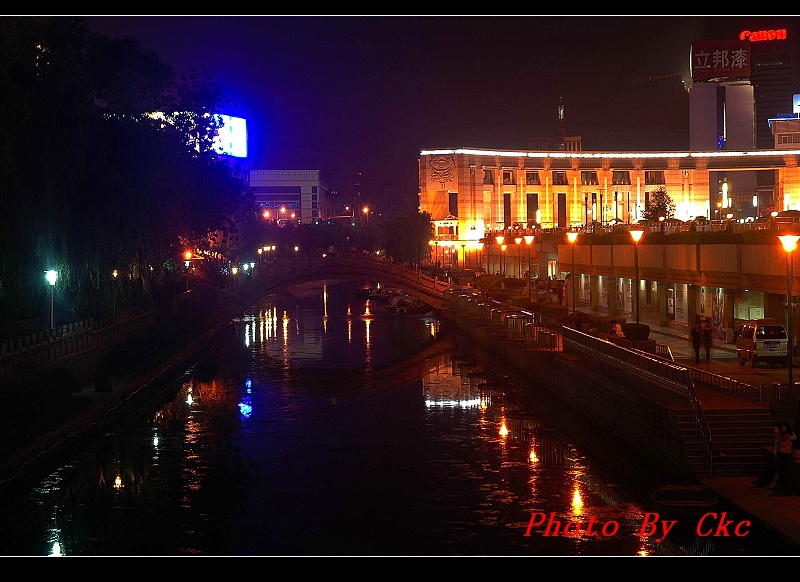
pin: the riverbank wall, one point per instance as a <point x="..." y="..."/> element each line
<point x="595" y="391"/>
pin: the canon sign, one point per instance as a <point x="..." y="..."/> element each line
<point x="779" y="34"/>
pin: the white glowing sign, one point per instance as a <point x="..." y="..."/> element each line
<point x="231" y="138"/>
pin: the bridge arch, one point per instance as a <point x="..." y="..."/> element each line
<point x="275" y="275"/>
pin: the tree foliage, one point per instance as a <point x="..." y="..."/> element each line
<point x="91" y="181"/>
<point x="660" y="205"/>
<point x="407" y="236"/>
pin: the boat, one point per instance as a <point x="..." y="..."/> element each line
<point x="401" y="304"/>
<point x="384" y="293"/>
<point x="684" y="501"/>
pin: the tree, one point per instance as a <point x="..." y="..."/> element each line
<point x="407" y="237"/>
<point x="660" y="205"/>
<point x="94" y="182"/>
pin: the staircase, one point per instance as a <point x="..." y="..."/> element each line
<point x="737" y="437"/>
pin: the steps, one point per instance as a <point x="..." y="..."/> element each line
<point x="737" y="437"/>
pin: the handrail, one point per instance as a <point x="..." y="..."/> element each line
<point x="724" y="383"/>
<point x="651" y="374"/>
<point x="18" y="364"/>
<point x="741" y="389"/>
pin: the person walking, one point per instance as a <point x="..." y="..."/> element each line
<point x="707" y="340"/>
<point x="697" y="336"/>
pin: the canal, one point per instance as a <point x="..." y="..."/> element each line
<point x="323" y="425"/>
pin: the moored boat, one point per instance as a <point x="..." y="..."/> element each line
<point x="384" y="293"/>
<point x="401" y="304"/>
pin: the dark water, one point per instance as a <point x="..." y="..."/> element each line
<point x="317" y="429"/>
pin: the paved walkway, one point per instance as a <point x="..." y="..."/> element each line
<point x="774" y="510"/>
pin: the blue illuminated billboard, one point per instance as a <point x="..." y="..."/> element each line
<point x="231" y="138"/>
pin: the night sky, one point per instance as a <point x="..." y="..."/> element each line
<point x="348" y="94"/>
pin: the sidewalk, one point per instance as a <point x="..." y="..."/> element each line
<point x="774" y="510"/>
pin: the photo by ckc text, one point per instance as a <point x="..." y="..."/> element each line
<point x="710" y="524"/>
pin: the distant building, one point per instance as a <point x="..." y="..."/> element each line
<point x="297" y="196"/>
<point x="744" y="73"/>
<point x="469" y="192"/>
<point x="559" y="141"/>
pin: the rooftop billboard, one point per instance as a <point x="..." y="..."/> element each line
<point x="231" y="138"/>
<point x="720" y="59"/>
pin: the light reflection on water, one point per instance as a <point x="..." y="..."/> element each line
<point x="286" y="443"/>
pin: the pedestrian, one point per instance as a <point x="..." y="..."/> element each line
<point x="776" y="468"/>
<point x="707" y="340"/>
<point x="697" y="334"/>
<point x="616" y="328"/>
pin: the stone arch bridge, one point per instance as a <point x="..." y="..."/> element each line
<point x="272" y="276"/>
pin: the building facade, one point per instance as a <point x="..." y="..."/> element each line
<point x="477" y="191"/>
<point x="744" y="72"/>
<point x="297" y="196"/>
<point x="474" y="196"/>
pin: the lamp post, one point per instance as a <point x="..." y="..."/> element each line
<point x="463" y="256"/>
<point x="789" y="242"/>
<point x="518" y="240"/>
<point x="503" y="248"/>
<point x="260" y="250"/>
<point x="480" y="255"/>
<point x="528" y="241"/>
<point x="234" y="270"/>
<point x="187" y="256"/>
<point x="636" y="235"/>
<point x="499" y="239"/>
<point x="51" y="276"/>
<point x="114" y="274"/>
<point x="572" y="236"/>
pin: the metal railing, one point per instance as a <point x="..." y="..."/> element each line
<point x="649" y="374"/>
<point x="22" y="362"/>
<point x="741" y="389"/>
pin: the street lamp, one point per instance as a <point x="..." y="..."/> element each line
<point x="463" y="256"/>
<point x="636" y="235"/>
<point x="503" y="248"/>
<point x="480" y="256"/>
<point x="789" y="242"/>
<point x="114" y="274"/>
<point x="188" y="263"/>
<point x="51" y="276"/>
<point x="499" y="239"/>
<point x="234" y="270"/>
<point x="518" y="240"/>
<point x="528" y="241"/>
<point x="572" y="236"/>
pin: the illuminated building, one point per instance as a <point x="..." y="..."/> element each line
<point x="744" y="73"/>
<point x="297" y="196"/>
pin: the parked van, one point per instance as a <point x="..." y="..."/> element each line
<point x="763" y="340"/>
